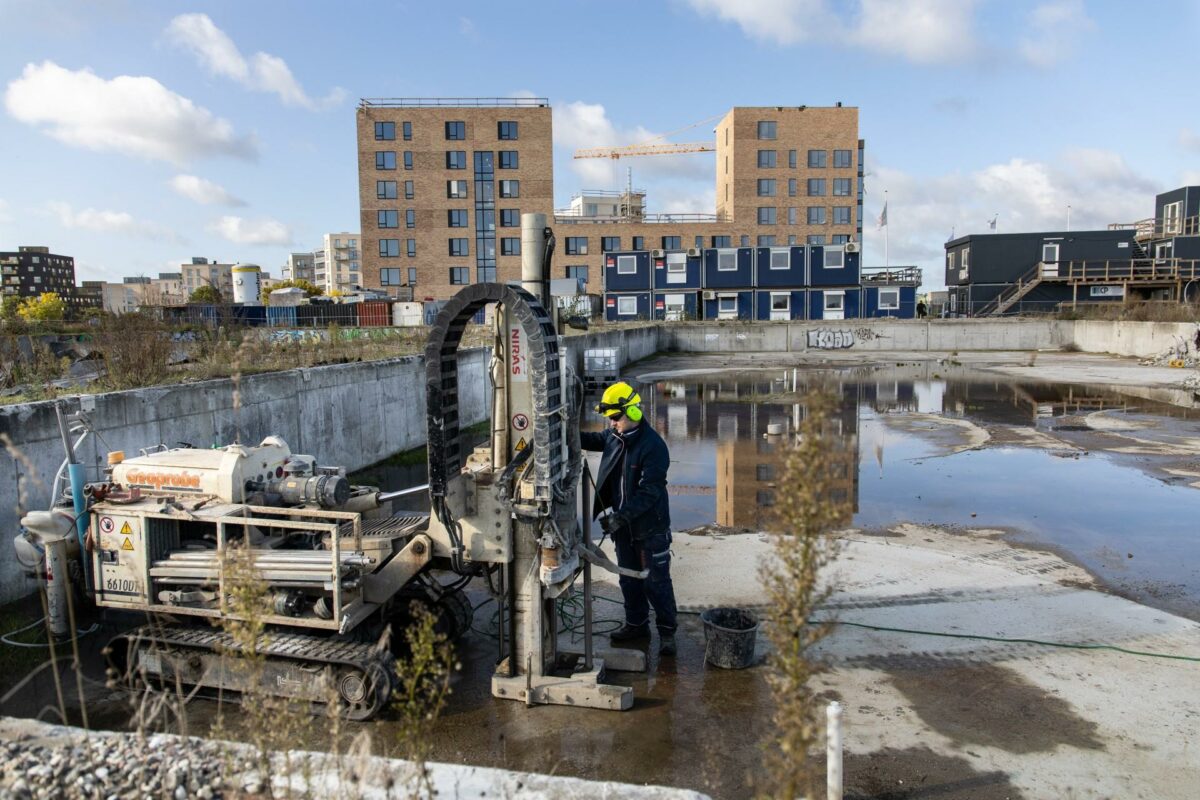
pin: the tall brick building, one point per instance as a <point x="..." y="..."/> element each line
<point x="443" y="184"/>
<point x="32" y="271"/>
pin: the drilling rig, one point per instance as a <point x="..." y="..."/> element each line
<point x="163" y="533"/>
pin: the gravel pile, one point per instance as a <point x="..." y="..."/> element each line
<point x="118" y="766"/>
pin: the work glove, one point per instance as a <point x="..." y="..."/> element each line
<point x="612" y="523"/>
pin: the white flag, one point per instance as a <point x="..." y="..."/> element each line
<point x="883" y="216"/>
<point x="992" y="222"/>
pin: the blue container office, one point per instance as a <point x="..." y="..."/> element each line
<point x="675" y="270"/>
<point x="834" y="304"/>
<point x="673" y="306"/>
<point x="729" y="268"/>
<point x="889" y="301"/>
<point x="836" y="265"/>
<point x="729" y="304"/>
<point x="627" y="272"/>
<point x="784" y="267"/>
<point x="779" y="304"/>
<point x="626" y="306"/>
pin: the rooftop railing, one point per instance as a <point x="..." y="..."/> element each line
<point x="568" y="217"/>
<point x="452" y="102"/>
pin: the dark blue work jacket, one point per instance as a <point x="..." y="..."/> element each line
<point x="633" y="478"/>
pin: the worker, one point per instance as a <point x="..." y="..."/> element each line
<point x="632" y="485"/>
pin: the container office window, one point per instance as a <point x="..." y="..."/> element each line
<point x="510" y="246"/>
<point x="672" y="242"/>
<point x="408" y="190"/>
<point x="407" y="128"/>
<point x="577" y="245"/>
<point x="456" y="218"/>
<point x="841" y="215"/>
<point x="410" y="218"/>
<point x="841" y="187"/>
<point x="676" y="268"/>
<point x="727" y="261"/>
<point x="766" y="241"/>
<point x="578" y="272"/>
<point x="639" y="243"/>
<point x="460" y="247"/>
<point x="385" y="159"/>
<point x="507" y="131"/>
<point x="793" y="216"/>
<point x="766" y="129"/>
<point x="835" y="301"/>
<point x="780" y="301"/>
<point x="385" y="190"/>
<point x="509" y="159"/>
<point x="722" y="241"/>
<point x="460" y="275"/>
<point x="510" y="188"/>
<point x="766" y="187"/>
<point x="816" y="238"/>
<point x="840" y="238"/>
<point x="627" y="306"/>
<point x="389" y="277"/>
<point x="456" y="131"/>
<point x="780" y="259"/>
<point x="791" y="159"/>
<point x="626" y="265"/>
<point x="966" y="260"/>
<point x="841" y="158"/>
<point x="834" y="258"/>
<point x="389" y="248"/>
<point x="408" y="159"/>
<point x="727" y="304"/>
<point x="889" y="299"/>
<point x="388" y="219"/>
<point x="456" y="189"/>
<point x="818" y="159"/>
<point x="816" y="187"/>
<point x="385" y="131"/>
<point x="766" y="215"/>
<point x="412" y="249"/>
<point x="510" y="218"/>
<point x="609" y="243"/>
<point x="456" y="159"/>
<point x="766" y="158"/>
<point x="816" y="215"/>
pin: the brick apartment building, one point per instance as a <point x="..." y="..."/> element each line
<point x="443" y="184"/>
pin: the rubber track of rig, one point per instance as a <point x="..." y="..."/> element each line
<point x="299" y="648"/>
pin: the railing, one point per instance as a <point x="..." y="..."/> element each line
<point x="1153" y="228"/>
<point x="567" y="217"/>
<point x="608" y="193"/>
<point x="1003" y="301"/>
<point x="892" y="275"/>
<point x="1145" y="270"/>
<point x="438" y="102"/>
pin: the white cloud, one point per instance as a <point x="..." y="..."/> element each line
<point x="1189" y="140"/>
<point x="923" y="31"/>
<point x="262" y="72"/>
<point x="1056" y="28"/>
<point x="203" y="191"/>
<point x="245" y="231"/>
<point x="779" y="21"/>
<point x="105" y="221"/>
<point x="467" y="28"/>
<point x="135" y="115"/>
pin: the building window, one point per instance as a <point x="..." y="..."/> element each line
<point x="456" y="218"/>
<point x="966" y="258"/>
<point x="841" y="187"/>
<point x="408" y="159"/>
<point x="385" y="131"/>
<point x="385" y="159"/>
<point x="745" y="240"/>
<point x="456" y="131"/>
<point x="766" y="158"/>
<point x="766" y="187"/>
<point x="577" y="245"/>
<point x="672" y="242"/>
<point x="486" y="274"/>
<point x="727" y="261"/>
<point x="781" y="259"/>
<point x="816" y="238"/>
<point x="841" y="158"/>
<point x="816" y="187"/>
<point x="841" y="215"/>
<point x="727" y="304"/>
<point x="626" y="265"/>
<point x="766" y="241"/>
<point x="791" y="159"/>
<point x="780" y="301"/>
<point x="627" y="306"/>
<point x="510" y="246"/>
<point x="389" y="248"/>
<point x="818" y="159"/>
<point x="389" y="276"/>
<point x="889" y="299"/>
<point x="410" y="218"/>
<point x="510" y="218"/>
<point x="412" y="248"/>
<point x="1171" y="214"/>
<point x="792" y="186"/>
<point x="460" y="247"/>
<point x="793" y="239"/>
<point x="456" y="189"/>
<point x="509" y="159"/>
<point x="766" y="129"/>
<point x="839" y="238"/>
<point x="407" y="128"/>
<point x="408" y="190"/>
<point x="578" y="272"/>
<point x="816" y="215"/>
<point x="722" y="241"/>
<point x="506" y="131"/>
<point x="639" y="243"/>
<point x="412" y="276"/>
<point x="609" y="244"/>
<point x="460" y="275"/>
<point x="456" y="159"/>
<point x="834" y="258"/>
<point x="510" y="188"/>
<point x="388" y="219"/>
<point x="385" y="190"/>
<point x="766" y="215"/>
<point x="793" y="216"/>
<point x="766" y="472"/>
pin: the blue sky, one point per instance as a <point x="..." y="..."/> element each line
<point x="134" y="135"/>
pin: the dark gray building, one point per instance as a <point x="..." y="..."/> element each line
<point x="32" y="271"/>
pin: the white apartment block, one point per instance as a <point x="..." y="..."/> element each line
<point x="337" y="264"/>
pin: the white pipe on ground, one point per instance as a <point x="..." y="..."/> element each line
<point x="833" y="751"/>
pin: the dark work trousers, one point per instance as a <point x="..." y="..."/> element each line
<point x="654" y="554"/>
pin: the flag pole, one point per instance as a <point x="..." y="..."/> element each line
<point x="887" y="262"/>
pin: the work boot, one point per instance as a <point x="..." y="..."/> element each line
<point x="629" y="632"/>
<point x="666" y="644"/>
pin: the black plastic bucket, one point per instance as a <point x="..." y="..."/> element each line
<point x="729" y="637"/>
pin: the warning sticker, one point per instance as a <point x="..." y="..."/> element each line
<point x="521" y="445"/>
<point x="126" y="529"/>
<point x="107" y="524"/>
<point x="128" y="543"/>
<point x="520" y="422"/>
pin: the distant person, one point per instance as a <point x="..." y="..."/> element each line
<point x="922" y="310"/>
<point x="632" y="484"/>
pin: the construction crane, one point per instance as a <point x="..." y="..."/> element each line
<point x="652" y="147"/>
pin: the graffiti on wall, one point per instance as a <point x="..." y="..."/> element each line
<point x="829" y="339"/>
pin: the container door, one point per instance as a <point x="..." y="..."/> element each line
<point x="1050" y="260"/>
<point x="674" y="307"/>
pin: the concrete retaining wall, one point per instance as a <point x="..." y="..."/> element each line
<point x="1141" y="339"/>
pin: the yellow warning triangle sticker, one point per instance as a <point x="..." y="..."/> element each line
<point x="128" y="543"/>
<point x="521" y="445"/>
<point x="126" y="529"/>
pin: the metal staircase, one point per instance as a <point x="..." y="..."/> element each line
<point x="1012" y="294"/>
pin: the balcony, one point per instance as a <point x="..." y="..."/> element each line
<point x="1157" y="229"/>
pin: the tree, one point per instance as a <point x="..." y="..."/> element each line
<point x="205" y="294"/>
<point x="9" y="306"/>
<point x="310" y="289"/>
<point x="48" y="307"/>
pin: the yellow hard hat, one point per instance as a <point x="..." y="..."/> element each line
<point x="620" y="400"/>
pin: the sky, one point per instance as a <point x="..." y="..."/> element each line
<point x="137" y="134"/>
